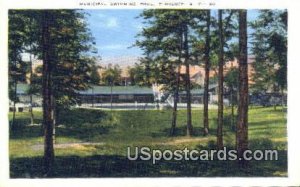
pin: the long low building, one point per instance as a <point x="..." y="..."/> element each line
<point x="136" y="94"/>
<point x="119" y="94"/>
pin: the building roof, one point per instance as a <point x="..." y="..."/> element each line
<point x="118" y="90"/>
<point x="134" y="90"/>
<point x="105" y="90"/>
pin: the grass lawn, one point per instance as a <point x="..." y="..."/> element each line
<point x="93" y="143"/>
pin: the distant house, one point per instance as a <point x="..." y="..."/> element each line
<point x="234" y="64"/>
<point x="197" y="72"/>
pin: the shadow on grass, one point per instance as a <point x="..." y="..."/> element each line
<point x="84" y="124"/>
<point x="119" y="166"/>
<point x="84" y="133"/>
<point x="77" y="117"/>
<point x="179" y="131"/>
<point x="77" y="123"/>
<point x="22" y="130"/>
<point x="265" y="122"/>
<point x="197" y="131"/>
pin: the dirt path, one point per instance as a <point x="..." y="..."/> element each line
<point x="77" y="145"/>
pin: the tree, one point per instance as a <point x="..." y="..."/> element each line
<point x="231" y="81"/>
<point x="220" y="82"/>
<point x="23" y="41"/>
<point x="206" y="79"/>
<point x="147" y="68"/>
<point x="30" y="48"/>
<point x="170" y="43"/>
<point x="47" y="92"/>
<point x="186" y="57"/>
<point x="177" y="88"/>
<point x="242" y="123"/>
<point x="17" y="67"/>
<point x="67" y="65"/>
<point x="157" y="44"/>
<point x="73" y="58"/>
<point x="269" y="41"/>
<point x="95" y="77"/>
<point x="138" y="74"/>
<point x="95" y="80"/>
<point x="225" y="32"/>
<point x="111" y="76"/>
<point x="30" y="90"/>
<point x="61" y="39"/>
<point x="216" y="48"/>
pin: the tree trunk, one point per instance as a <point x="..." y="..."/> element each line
<point x="47" y="94"/>
<point x="282" y="99"/>
<point x="14" y="106"/>
<point x="176" y="94"/>
<point x="53" y="113"/>
<point x="187" y="81"/>
<point x="206" y="78"/>
<point x="30" y="94"/>
<point x="232" y="108"/>
<point x="220" y="83"/>
<point x="93" y="96"/>
<point x="242" y="123"/>
<point x="273" y="98"/>
<point x="147" y="68"/>
<point x="111" y="96"/>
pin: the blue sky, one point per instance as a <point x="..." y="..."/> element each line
<point x="115" y="31"/>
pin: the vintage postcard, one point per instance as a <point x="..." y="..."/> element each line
<point x="153" y="93"/>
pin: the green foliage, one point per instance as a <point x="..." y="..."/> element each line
<point x="95" y="77"/>
<point x="231" y="81"/>
<point x="230" y="32"/>
<point x="71" y="41"/>
<point x="231" y="78"/>
<point x="71" y="56"/>
<point x="270" y="50"/>
<point x="112" y="75"/>
<point x="17" y="37"/>
<point x="35" y="86"/>
<point x="162" y="40"/>
<point x="138" y="75"/>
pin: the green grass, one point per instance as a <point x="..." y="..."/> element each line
<point x="113" y="132"/>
